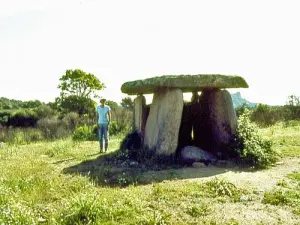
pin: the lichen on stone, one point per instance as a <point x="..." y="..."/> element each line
<point x="187" y="83"/>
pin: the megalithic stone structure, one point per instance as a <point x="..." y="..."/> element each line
<point x="139" y="110"/>
<point x="212" y="114"/>
<point x="162" y="127"/>
<point x="217" y="122"/>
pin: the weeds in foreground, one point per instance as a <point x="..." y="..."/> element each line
<point x="288" y="195"/>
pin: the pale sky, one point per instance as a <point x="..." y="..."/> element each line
<point x="119" y="41"/>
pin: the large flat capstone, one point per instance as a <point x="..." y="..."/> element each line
<point x="187" y="83"/>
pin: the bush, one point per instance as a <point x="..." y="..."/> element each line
<point x="23" y="118"/>
<point x="52" y="128"/>
<point x="250" y="148"/>
<point x="4" y="117"/>
<point x="85" y="133"/>
<point x="90" y="133"/>
<point x="122" y="121"/>
<point x="265" y="115"/>
<point x="74" y="103"/>
<point x="117" y="128"/>
<point x="71" y="120"/>
<point x="44" y="111"/>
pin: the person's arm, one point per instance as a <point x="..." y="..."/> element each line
<point x="109" y="116"/>
<point x="97" y="116"/>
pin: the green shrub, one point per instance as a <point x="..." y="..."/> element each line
<point x="224" y="189"/>
<point x="250" y="148"/>
<point x="90" y="133"/>
<point x="23" y="118"/>
<point x="117" y="128"/>
<point x="45" y="111"/>
<point x="52" y="128"/>
<point x="4" y="117"/>
<point x="265" y="115"/>
<point x="79" y="104"/>
<point x="71" y="120"/>
<point x="122" y="120"/>
<point x="84" y="133"/>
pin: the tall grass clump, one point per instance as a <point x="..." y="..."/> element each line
<point x="52" y="128"/>
<point x="11" y="135"/>
<point x="250" y="147"/>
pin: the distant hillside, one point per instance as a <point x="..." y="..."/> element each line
<point x="237" y="101"/>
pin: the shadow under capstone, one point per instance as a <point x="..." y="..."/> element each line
<point x="131" y="166"/>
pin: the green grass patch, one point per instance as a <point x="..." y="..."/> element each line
<point x="288" y="195"/>
<point x="295" y="176"/>
<point x="197" y="210"/>
<point x="66" y="182"/>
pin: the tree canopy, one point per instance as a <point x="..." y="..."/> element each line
<point x="77" y="87"/>
<point x="79" y="83"/>
<point x="6" y="103"/>
<point x="127" y="103"/>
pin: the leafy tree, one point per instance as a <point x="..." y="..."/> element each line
<point x="44" y="111"/>
<point x="54" y="105"/>
<point x="77" y="87"/>
<point x="293" y="100"/>
<point x="6" y="103"/>
<point x="127" y="103"/>
<point x="23" y="118"/>
<point x="79" y="83"/>
<point x="293" y="107"/>
<point x="81" y="105"/>
<point x="113" y="105"/>
<point x="31" y="104"/>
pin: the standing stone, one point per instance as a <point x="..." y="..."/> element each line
<point x="185" y="131"/>
<point x="139" y="106"/>
<point x="219" y="121"/>
<point x="163" y="123"/>
<point x="146" y="111"/>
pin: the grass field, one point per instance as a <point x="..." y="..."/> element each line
<point x="65" y="182"/>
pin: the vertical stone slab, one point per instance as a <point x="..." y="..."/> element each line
<point x="219" y="121"/>
<point x="163" y="123"/>
<point x="224" y="120"/>
<point x="139" y="108"/>
<point x="146" y="111"/>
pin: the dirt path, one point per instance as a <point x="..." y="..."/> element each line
<point x="248" y="212"/>
<point x="262" y="180"/>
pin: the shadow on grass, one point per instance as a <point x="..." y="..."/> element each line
<point x="117" y="170"/>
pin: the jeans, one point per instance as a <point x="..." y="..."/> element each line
<point x="103" y="132"/>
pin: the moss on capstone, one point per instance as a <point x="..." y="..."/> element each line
<point x="187" y="83"/>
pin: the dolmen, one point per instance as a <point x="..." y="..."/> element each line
<point x="169" y="124"/>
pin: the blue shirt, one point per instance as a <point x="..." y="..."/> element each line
<point x="102" y="114"/>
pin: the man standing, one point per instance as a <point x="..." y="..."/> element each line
<point x="104" y="117"/>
